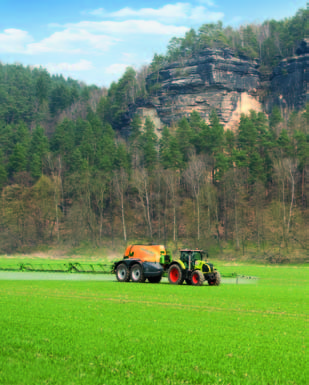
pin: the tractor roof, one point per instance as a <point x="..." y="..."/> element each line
<point x="201" y="251"/>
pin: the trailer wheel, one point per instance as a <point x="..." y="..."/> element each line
<point x="197" y="278"/>
<point x="175" y="275"/>
<point x="155" y="279"/>
<point x="216" y="281"/>
<point x="122" y="273"/>
<point x="137" y="274"/>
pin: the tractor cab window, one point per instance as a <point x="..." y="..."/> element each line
<point x="185" y="257"/>
<point x="197" y="255"/>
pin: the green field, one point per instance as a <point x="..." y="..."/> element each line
<point x="68" y="332"/>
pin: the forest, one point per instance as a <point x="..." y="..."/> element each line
<point x="67" y="176"/>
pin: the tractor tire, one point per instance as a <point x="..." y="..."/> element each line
<point x="188" y="281"/>
<point x="137" y="274"/>
<point x="155" y="279"/>
<point x="197" y="278"/>
<point x="175" y="275"/>
<point x="122" y="273"/>
<point x="216" y="281"/>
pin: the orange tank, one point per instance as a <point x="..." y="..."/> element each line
<point x="146" y="253"/>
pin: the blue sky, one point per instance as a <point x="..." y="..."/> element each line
<point x="94" y="40"/>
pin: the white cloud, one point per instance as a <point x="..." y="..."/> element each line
<point x="82" y="65"/>
<point x="74" y="41"/>
<point x="168" y="11"/>
<point x="210" y="3"/>
<point x="179" y="12"/>
<point x="132" y="27"/>
<point x="202" y="15"/>
<point x="97" y="12"/>
<point x="14" y="40"/>
<point x="116" y="69"/>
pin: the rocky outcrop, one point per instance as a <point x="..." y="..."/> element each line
<point x="289" y="81"/>
<point x="216" y="79"/>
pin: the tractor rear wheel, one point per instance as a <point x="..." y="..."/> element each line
<point x="197" y="278"/>
<point x="155" y="279"/>
<point x="216" y="281"/>
<point x="122" y="273"/>
<point x="175" y="275"/>
<point x="137" y="274"/>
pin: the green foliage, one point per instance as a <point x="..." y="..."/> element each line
<point x="38" y="149"/>
<point x="184" y="135"/>
<point x="148" y="142"/>
<point x="268" y="41"/>
<point x="170" y="153"/>
<point x="23" y="88"/>
<point x="3" y="172"/>
<point x="18" y="159"/>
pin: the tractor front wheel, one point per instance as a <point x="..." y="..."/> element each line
<point x="216" y="281"/>
<point x="122" y="273"/>
<point x="197" y="278"/>
<point x="175" y="275"/>
<point x="155" y="279"/>
<point x="137" y="274"/>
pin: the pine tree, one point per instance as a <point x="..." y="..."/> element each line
<point x="184" y="136"/>
<point x="106" y="150"/>
<point x="148" y="143"/>
<point x="3" y="172"/>
<point x="38" y="149"/>
<point x="18" y="159"/>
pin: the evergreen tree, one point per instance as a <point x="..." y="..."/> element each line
<point x="38" y="149"/>
<point x="106" y="150"/>
<point x="148" y="141"/>
<point x="3" y="172"/>
<point x="184" y="136"/>
<point x="18" y="159"/>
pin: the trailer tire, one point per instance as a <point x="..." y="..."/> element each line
<point x="122" y="273"/>
<point x="197" y="278"/>
<point x="175" y="275"/>
<point x="137" y="273"/>
<point x="216" y="281"/>
<point x="155" y="279"/>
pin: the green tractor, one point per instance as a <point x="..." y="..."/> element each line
<point x="193" y="268"/>
<point x="141" y="262"/>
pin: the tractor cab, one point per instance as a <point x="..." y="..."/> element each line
<point x="191" y="258"/>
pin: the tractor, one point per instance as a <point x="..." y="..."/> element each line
<point x="193" y="268"/>
<point x="141" y="262"/>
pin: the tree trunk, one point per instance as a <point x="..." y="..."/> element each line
<point x="123" y="219"/>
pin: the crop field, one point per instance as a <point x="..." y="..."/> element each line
<point x="105" y="332"/>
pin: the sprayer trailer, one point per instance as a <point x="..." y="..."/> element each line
<point x="141" y="262"/>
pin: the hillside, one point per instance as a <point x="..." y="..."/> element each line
<point x="205" y="149"/>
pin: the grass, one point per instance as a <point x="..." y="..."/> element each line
<point x="116" y="333"/>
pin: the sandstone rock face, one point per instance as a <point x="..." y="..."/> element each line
<point x="289" y="81"/>
<point x="217" y="80"/>
<point x="213" y="80"/>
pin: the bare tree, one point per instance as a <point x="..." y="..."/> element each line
<point x="55" y="169"/>
<point x="286" y="170"/>
<point x="121" y="181"/>
<point x="142" y="184"/>
<point x="172" y="181"/>
<point x="194" y="177"/>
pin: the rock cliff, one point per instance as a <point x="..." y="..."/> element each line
<point x="216" y="79"/>
<point x="289" y="81"/>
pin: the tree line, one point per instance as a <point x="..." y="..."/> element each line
<point x="270" y="41"/>
<point x="193" y="183"/>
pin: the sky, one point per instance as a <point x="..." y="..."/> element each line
<point x="95" y="40"/>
